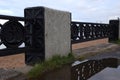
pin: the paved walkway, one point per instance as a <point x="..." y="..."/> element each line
<point x="115" y="53"/>
<point x="98" y="51"/>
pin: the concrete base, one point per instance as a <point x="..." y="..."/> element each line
<point x="89" y="43"/>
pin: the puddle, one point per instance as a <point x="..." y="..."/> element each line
<point x="61" y="74"/>
<point x="103" y="69"/>
<point x="107" y="74"/>
<point x="95" y="69"/>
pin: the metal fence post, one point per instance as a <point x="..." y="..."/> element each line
<point x="35" y="35"/>
<point x="114" y="30"/>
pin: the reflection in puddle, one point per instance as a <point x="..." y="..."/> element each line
<point x="61" y="74"/>
<point x="103" y="69"/>
<point x="108" y="73"/>
<point x="85" y="70"/>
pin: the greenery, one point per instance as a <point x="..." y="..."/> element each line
<point x="55" y="62"/>
<point x="117" y="41"/>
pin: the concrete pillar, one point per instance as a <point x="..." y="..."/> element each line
<point x="57" y="32"/>
<point x="49" y="33"/>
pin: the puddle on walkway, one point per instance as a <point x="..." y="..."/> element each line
<point x="103" y="69"/>
<point x="107" y="74"/>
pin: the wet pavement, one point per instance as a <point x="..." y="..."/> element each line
<point x="107" y="74"/>
<point x="60" y="74"/>
<point x="98" y="49"/>
<point x="113" y="52"/>
<point x="102" y="69"/>
<point x="101" y="51"/>
<point x="93" y="69"/>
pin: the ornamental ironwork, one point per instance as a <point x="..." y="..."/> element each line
<point x="12" y="34"/>
<point x="83" y="31"/>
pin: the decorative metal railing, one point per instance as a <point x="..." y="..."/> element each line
<point x="12" y="35"/>
<point x="83" y="31"/>
<point x="28" y="38"/>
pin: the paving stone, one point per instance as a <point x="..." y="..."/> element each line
<point x="5" y="74"/>
<point x="94" y="49"/>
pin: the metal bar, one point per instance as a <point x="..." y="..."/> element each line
<point x="86" y="22"/>
<point x="6" y="17"/>
<point x="6" y="52"/>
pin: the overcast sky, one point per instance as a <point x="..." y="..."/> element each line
<point x="82" y="10"/>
